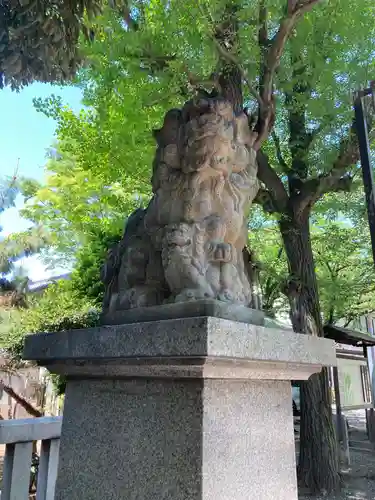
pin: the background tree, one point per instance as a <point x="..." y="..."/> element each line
<point x="270" y="261"/>
<point x="8" y="192"/>
<point x="343" y="265"/>
<point x="8" y="294"/>
<point x="38" y="39"/>
<point x="11" y="293"/>
<point x="345" y="271"/>
<point x="68" y="304"/>
<point x="18" y="245"/>
<point x="76" y="205"/>
<point x="22" y="244"/>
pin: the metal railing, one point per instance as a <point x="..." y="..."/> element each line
<point x="19" y="437"/>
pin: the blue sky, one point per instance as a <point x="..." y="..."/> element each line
<point x="25" y="135"/>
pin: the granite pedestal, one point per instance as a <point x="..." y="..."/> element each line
<point x="182" y="409"/>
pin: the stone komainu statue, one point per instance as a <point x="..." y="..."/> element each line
<point x="188" y="243"/>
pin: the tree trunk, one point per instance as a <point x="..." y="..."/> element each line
<point x="231" y="88"/>
<point x="318" y="468"/>
<point x="230" y="77"/>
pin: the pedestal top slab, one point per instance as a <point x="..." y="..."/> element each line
<point x="191" y="347"/>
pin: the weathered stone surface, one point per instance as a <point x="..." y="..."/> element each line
<point x="177" y="440"/>
<point x="189" y="242"/>
<point x="183" y="409"/>
<point x="194" y="308"/>
<point x="182" y="338"/>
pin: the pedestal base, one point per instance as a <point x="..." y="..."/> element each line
<point x="192" y="309"/>
<point x="189" y="409"/>
<point x="177" y="440"/>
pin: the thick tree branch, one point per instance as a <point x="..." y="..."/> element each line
<point x="313" y="189"/>
<point x="128" y="18"/>
<point x="301" y="6"/>
<point x="196" y="83"/>
<point x="328" y="184"/>
<point x="299" y="138"/>
<point x="348" y="153"/>
<point x="265" y="200"/>
<point x="295" y="9"/>
<point x="263" y="29"/>
<point x="339" y="177"/>
<point x="279" y="154"/>
<point x="263" y="41"/>
<point x="230" y="75"/>
<point x="231" y="58"/>
<point x="226" y="49"/>
<point x="331" y="317"/>
<point x="311" y="136"/>
<point x="152" y="62"/>
<point x="272" y="182"/>
<point x="31" y="410"/>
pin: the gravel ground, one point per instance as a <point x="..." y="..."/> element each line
<point x="359" y="479"/>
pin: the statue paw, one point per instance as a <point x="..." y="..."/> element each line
<point x="220" y="252"/>
<point x="226" y="296"/>
<point x="193" y="294"/>
<point x="140" y="296"/>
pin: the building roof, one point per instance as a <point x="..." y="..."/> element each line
<point x="37" y="286"/>
<point x="349" y="337"/>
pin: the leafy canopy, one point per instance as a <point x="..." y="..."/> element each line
<point x="8" y="193"/>
<point x="343" y="265"/>
<point x="38" y="39"/>
<point x="345" y="271"/>
<point x="140" y="66"/>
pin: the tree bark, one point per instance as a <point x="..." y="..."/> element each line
<point x="318" y="468"/>
<point x="231" y="86"/>
<point x="230" y="77"/>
